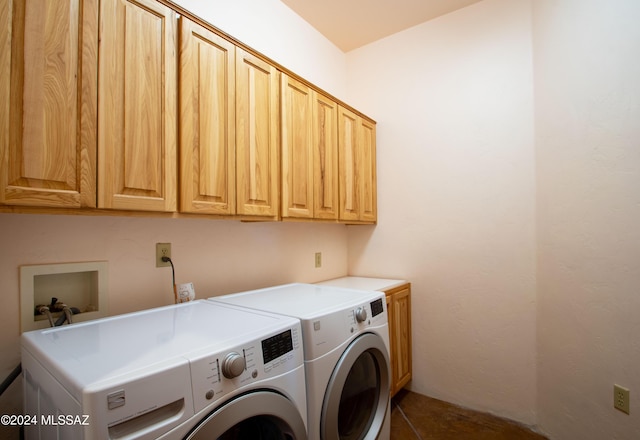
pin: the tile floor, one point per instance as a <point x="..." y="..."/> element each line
<point x="418" y="417"/>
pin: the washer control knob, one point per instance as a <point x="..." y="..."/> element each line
<point x="233" y="365"/>
<point x="361" y="314"/>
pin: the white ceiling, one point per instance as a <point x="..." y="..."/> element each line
<point x="350" y="24"/>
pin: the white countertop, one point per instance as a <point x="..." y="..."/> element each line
<point x="364" y="283"/>
<point x="300" y="300"/>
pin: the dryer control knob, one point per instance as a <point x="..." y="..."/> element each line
<point x="361" y="314"/>
<point x="233" y="365"/>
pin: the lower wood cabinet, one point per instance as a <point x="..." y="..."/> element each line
<point x="399" y="315"/>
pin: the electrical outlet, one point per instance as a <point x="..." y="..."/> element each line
<point x="162" y="250"/>
<point x="621" y="398"/>
<point x="318" y="259"/>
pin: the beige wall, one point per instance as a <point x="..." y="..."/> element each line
<point x="587" y="70"/>
<point x="508" y="195"/>
<point x="218" y="256"/>
<point x="453" y="99"/>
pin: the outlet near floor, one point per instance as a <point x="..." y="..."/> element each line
<point x="621" y="398"/>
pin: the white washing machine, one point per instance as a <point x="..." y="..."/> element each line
<point x="190" y="371"/>
<point x="346" y="352"/>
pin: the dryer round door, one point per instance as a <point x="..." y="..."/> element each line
<point x="255" y="415"/>
<point x="355" y="403"/>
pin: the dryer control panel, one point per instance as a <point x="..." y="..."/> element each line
<point x="325" y="333"/>
<point x="214" y="376"/>
<point x="366" y="314"/>
<point x="377" y="307"/>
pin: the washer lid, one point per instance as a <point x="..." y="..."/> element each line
<point x="141" y="343"/>
<point x="304" y="301"/>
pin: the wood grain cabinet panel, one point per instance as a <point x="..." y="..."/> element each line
<point x="6" y="13"/>
<point x="348" y="158"/>
<point x="257" y="136"/>
<point x="325" y="157"/>
<point x="399" y="315"/>
<point x="357" y="167"/>
<point x="297" y="149"/>
<point x="137" y="106"/>
<point x="48" y="98"/>
<point x="207" y="121"/>
<point x="309" y="152"/>
<point x="367" y="171"/>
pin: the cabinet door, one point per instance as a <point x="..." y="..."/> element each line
<point x="392" y="343"/>
<point x="325" y="157"/>
<point x="309" y="152"/>
<point x="137" y="106"/>
<point x="6" y="13"/>
<point x="257" y="136"/>
<point x="297" y="151"/>
<point x="348" y="164"/>
<point x="207" y="121"/>
<point x="48" y="98"/>
<point x="400" y="332"/>
<point x="367" y="171"/>
<point x="357" y="167"/>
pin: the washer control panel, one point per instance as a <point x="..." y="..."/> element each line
<point x="276" y="346"/>
<point x="216" y="375"/>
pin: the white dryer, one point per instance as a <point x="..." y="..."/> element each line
<point x="189" y="371"/>
<point x="346" y="351"/>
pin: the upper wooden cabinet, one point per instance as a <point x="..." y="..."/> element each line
<point x="309" y="152"/>
<point x="5" y="88"/>
<point x="102" y="100"/>
<point x="137" y="106"/>
<point x="297" y="149"/>
<point x="257" y="136"/>
<point x="207" y="121"/>
<point x="48" y="102"/>
<point x="325" y="157"/>
<point x="357" y="167"/>
<point x="369" y="194"/>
